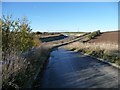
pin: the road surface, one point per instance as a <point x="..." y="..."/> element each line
<point x="68" y="69"/>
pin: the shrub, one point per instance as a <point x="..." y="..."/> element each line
<point x="94" y="34"/>
<point x="20" y="59"/>
<point x="16" y="34"/>
<point x="16" y="38"/>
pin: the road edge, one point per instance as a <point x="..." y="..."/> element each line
<point x="102" y="60"/>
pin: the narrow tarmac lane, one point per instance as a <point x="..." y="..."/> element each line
<point x="68" y="69"/>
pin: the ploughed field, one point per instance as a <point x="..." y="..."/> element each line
<point x="106" y="37"/>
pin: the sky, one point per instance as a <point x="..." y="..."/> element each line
<point x="65" y="16"/>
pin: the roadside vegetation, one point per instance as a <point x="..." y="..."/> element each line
<point x="22" y="53"/>
<point x="107" y="51"/>
<point x="94" y="34"/>
<point x="91" y="35"/>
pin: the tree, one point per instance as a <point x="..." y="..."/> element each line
<point x="16" y="34"/>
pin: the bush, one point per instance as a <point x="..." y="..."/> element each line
<point x="16" y="38"/>
<point x="20" y="61"/>
<point x="16" y="34"/>
<point x="94" y="34"/>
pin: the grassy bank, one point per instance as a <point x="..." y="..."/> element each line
<point x="106" y="51"/>
<point x="19" y="69"/>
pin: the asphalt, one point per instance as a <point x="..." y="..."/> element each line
<point x="69" y="69"/>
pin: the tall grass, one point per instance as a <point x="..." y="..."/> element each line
<point x="102" y="46"/>
<point x="107" y="51"/>
<point x="20" y="68"/>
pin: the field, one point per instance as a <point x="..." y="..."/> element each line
<point x="106" y="37"/>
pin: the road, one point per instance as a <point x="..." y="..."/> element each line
<point x="68" y="69"/>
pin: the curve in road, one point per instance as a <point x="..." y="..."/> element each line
<point x="68" y="69"/>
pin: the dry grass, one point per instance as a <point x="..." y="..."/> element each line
<point x="107" y="51"/>
<point x="101" y="46"/>
<point x="20" y="68"/>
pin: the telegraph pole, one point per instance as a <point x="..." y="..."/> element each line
<point x="78" y="29"/>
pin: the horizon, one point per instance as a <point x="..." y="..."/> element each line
<point x="78" y="31"/>
<point x="66" y="16"/>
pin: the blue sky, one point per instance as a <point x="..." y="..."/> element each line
<point x="66" y="16"/>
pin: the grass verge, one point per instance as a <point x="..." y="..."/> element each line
<point x="108" y="52"/>
<point x="20" y="70"/>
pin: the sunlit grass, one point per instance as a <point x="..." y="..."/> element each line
<point x="107" y="51"/>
